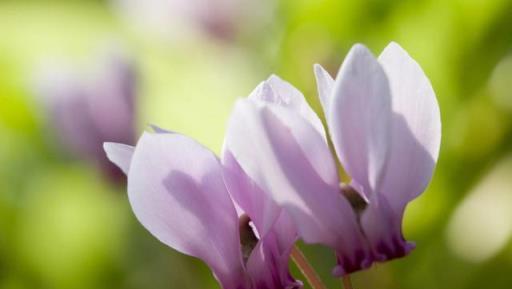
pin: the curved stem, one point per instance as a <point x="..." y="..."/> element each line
<point x="306" y="269"/>
<point x="347" y="284"/>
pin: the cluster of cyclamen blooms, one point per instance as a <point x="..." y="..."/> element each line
<point x="277" y="167"/>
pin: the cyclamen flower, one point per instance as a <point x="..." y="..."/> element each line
<point x="87" y="111"/>
<point x="384" y="123"/>
<point x="180" y="192"/>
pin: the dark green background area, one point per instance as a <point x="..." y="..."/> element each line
<point x="63" y="226"/>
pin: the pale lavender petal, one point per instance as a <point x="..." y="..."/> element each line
<point x="416" y="137"/>
<point x="268" y="263"/>
<point x="360" y="118"/>
<point x="177" y="192"/>
<point x="257" y="204"/>
<point x="119" y="154"/>
<point x="286" y="233"/>
<point x="277" y="91"/>
<point x="273" y="256"/>
<point x="324" y="83"/>
<point x="416" y="128"/>
<point x="282" y="153"/>
<point x="281" y="95"/>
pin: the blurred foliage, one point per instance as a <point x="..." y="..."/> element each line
<point x="63" y="226"/>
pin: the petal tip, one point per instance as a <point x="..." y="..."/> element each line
<point x="119" y="154"/>
<point x="395" y="48"/>
<point x="359" y="49"/>
<point x="158" y="129"/>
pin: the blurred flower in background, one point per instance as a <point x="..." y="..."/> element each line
<point x="179" y="19"/>
<point x="87" y="108"/>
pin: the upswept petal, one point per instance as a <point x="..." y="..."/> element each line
<point x="258" y="205"/>
<point x="268" y="262"/>
<point x="415" y="141"/>
<point x="119" y="154"/>
<point x="324" y="84"/>
<point x="277" y="91"/>
<point x="176" y="190"/>
<point x="416" y="128"/>
<point x="359" y="118"/>
<point x="281" y="95"/>
<point x="287" y="158"/>
<point x="382" y="226"/>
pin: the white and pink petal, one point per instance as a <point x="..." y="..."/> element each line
<point x="176" y="190"/>
<point x="416" y="128"/>
<point x="287" y="157"/>
<point x="359" y="118"/>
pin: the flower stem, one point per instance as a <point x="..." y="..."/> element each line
<point x="306" y="269"/>
<point x="347" y="284"/>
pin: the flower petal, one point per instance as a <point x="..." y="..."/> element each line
<point x="360" y="118"/>
<point x="268" y="263"/>
<point x="258" y="205"/>
<point x="382" y="226"/>
<point x="119" y="154"/>
<point x="415" y="141"/>
<point x="177" y="192"/>
<point x="416" y="128"/>
<point x="324" y="83"/>
<point x="158" y="129"/>
<point x="277" y="91"/>
<point x="287" y="157"/>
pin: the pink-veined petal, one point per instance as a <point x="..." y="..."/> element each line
<point x="360" y="118"/>
<point x="119" y="154"/>
<point x="268" y="263"/>
<point x="176" y="190"/>
<point x="416" y="128"/>
<point x="382" y="226"/>
<point x="324" y="83"/>
<point x="282" y="153"/>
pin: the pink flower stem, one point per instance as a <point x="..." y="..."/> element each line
<point x="306" y="269"/>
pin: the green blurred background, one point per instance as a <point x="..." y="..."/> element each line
<point x="63" y="225"/>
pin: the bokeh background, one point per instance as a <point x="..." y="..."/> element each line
<point x="65" y="222"/>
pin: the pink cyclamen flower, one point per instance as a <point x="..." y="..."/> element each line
<point x="384" y="123"/>
<point x="183" y="195"/>
<point x="87" y="110"/>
